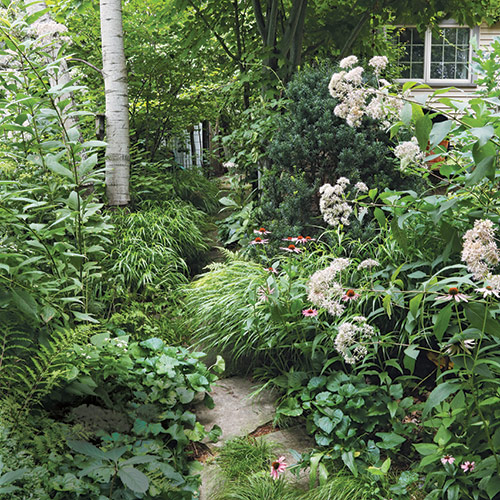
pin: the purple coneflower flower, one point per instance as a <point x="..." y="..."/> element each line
<point x="447" y="459"/>
<point x="258" y="241"/>
<point x="261" y="230"/>
<point x="289" y="238"/>
<point x="468" y="466"/>
<point x="272" y="270"/>
<point x="488" y="291"/>
<point x="350" y="295"/>
<point x="277" y="467"/>
<point x="453" y="294"/>
<point x="291" y="248"/>
<point x="310" y="312"/>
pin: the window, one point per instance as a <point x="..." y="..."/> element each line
<point x="437" y="57"/>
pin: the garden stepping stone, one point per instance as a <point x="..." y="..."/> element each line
<point x="237" y="413"/>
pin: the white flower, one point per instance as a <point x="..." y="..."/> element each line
<point x="368" y="264"/>
<point x="480" y="251"/>
<point x="355" y="75"/>
<point x="351" y="337"/>
<point x="347" y="62"/>
<point x="408" y="152"/>
<point x="361" y="187"/>
<point x="378" y="63"/>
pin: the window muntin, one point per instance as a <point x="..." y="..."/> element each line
<point x="442" y="56"/>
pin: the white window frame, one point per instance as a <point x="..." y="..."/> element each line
<point x="441" y="82"/>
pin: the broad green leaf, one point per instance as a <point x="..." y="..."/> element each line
<point x="439" y="394"/>
<point x="87" y="449"/>
<point x="25" y="302"/>
<point x="493" y="487"/>
<point x="406" y="113"/>
<point x="423" y="127"/>
<point x="415" y="304"/>
<point x="379" y="215"/>
<point x="57" y="168"/>
<point x="325" y="424"/>
<point x="14" y="475"/>
<point x="134" y="479"/>
<point x="485" y="168"/>
<point x="348" y="459"/>
<point x="442" y="322"/>
<point x="439" y="131"/>
<point x="426" y="448"/>
<point x="155" y="344"/>
<point x="484" y="134"/>
<point x="390" y="440"/>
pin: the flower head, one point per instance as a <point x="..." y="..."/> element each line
<point x="447" y="459"/>
<point x="310" y="312"/>
<point x="264" y="293"/>
<point x="272" y="270"/>
<point x="453" y="294"/>
<point x="261" y="230"/>
<point x="291" y="248"/>
<point x="258" y="241"/>
<point x="347" y="62"/>
<point x="378" y="63"/>
<point x="277" y="467"/>
<point x="304" y="239"/>
<point x="350" y="295"/>
<point x="368" y="264"/>
<point x="289" y="238"/>
<point x="488" y="291"/>
<point x="468" y="466"/>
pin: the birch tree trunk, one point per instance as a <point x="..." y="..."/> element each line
<point x="117" y="119"/>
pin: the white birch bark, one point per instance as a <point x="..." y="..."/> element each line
<point x="117" y="120"/>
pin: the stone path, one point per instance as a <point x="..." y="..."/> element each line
<point x="239" y="414"/>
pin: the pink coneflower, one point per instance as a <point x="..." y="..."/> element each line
<point x="304" y="239"/>
<point x="261" y="230"/>
<point x="488" y="291"/>
<point x="272" y="270"/>
<point x="468" y="466"/>
<point x="277" y="467"/>
<point x="350" y="295"/>
<point x="289" y="238"/>
<point x="447" y="459"/>
<point x="291" y="248"/>
<point x="310" y="312"/>
<point x="258" y="241"/>
<point x="453" y="294"/>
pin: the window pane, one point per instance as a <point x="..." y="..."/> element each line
<point x="417" y="70"/>
<point x="417" y="53"/>
<point x="405" y="71"/>
<point x="463" y="36"/>
<point x="450" y="54"/>
<point x="462" y="71"/>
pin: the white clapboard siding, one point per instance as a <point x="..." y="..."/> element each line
<point x="486" y="36"/>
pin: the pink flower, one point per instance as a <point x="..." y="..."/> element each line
<point x="291" y="248"/>
<point x="258" y="241"/>
<point x="277" y="467"/>
<point x="272" y="270"/>
<point x="302" y="239"/>
<point x="289" y="238"/>
<point x="447" y="459"/>
<point x="453" y="294"/>
<point x="468" y="466"/>
<point x="310" y="312"/>
<point x="350" y="295"/>
<point x="488" y="291"/>
<point x="262" y="230"/>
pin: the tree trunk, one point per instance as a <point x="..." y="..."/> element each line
<point x="117" y="120"/>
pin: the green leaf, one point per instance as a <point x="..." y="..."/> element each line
<point x="25" y="302"/>
<point x="87" y="449"/>
<point x="390" y="440"/>
<point x="386" y="465"/>
<point x="439" y="131"/>
<point x="134" y="479"/>
<point x="140" y="459"/>
<point x="484" y="134"/>
<point x="493" y="487"/>
<point x="348" y="459"/>
<point x="325" y="424"/>
<point x="56" y="167"/>
<point x="415" y="304"/>
<point x="379" y="215"/>
<point x="439" y="394"/>
<point x="485" y="168"/>
<point x="155" y="344"/>
<point x="84" y="317"/>
<point x="47" y="313"/>
<point x="426" y="448"/>
<point x="115" y="453"/>
<point x="88" y="164"/>
<point x="479" y="318"/>
<point x="423" y="127"/>
<point x="11" y="476"/>
<point x="406" y="113"/>
<point x="442" y="322"/>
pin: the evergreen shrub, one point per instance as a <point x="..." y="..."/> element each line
<point x="313" y="146"/>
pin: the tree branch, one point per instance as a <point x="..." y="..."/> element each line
<point x="87" y="63"/>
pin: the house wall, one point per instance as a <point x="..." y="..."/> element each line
<point x="486" y="36"/>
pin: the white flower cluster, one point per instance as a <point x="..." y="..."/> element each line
<point x="333" y="205"/>
<point x="324" y="290"/>
<point x="480" y="251"/>
<point x="368" y="264"/>
<point x="408" y="152"/>
<point x="48" y="27"/>
<point x="356" y="101"/>
<point x="361" y="187"/>
<point x="378" y="63"/>
<point x="352" y="337"/>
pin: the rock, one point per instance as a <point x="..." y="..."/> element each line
<point x="235" y="411"/>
